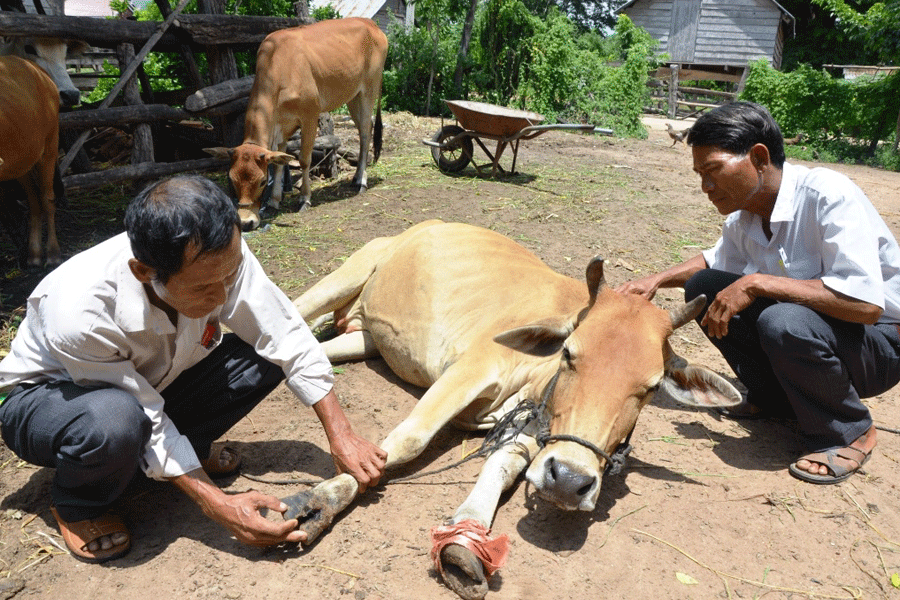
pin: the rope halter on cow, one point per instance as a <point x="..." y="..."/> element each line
<point x="614" y="462"/>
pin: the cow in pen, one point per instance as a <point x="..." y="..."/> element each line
<point x="484" y="324"/>
<point x="29" y="145"/>
<point x="300" y="73"/>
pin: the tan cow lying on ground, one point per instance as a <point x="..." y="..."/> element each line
<point x="301" y="72"/>
<point x="484" y="324"/>
<point x="29" y="146"/>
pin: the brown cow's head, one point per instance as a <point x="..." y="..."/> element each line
<point x="614" y="357"/>
<point x="248" y="176"/>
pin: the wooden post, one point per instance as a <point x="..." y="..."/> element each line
<point x="142" y="148"/>
<point x="673" y="90"/>
<point x="187" y="55"/>
<point x="223" y="67"/>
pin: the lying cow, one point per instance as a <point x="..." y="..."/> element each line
<point x="300" y="73"/>
<point x="484" y="324"/>
<point x="29" y="145"/>
<point x="49" y="53"/>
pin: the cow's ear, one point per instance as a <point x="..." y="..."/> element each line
<point x="223" y="153"/>
<point x="279" y="158"/>
<point x="541" y="338"/>
<point x="693" y="385"/>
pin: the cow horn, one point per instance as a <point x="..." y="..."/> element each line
<point x="681" y="315"/>
<point x="595" y="279"/>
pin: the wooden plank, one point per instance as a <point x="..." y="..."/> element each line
<point x="84" y="181"/>
<point x="121" y="115"/>
<point x="219" y="93"/>
<point x="200" y="30"/>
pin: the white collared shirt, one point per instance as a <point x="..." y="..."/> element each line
<point x="823" y="227"/>
<point x="91" y="322"/>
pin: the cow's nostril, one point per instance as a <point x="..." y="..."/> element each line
<point x="586" y="488"/>
<point x="552" y="473"/>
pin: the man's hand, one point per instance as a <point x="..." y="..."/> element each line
<point x="360" y="458"/>
<point x="352" y="454"/>
<point x="672" y="277"/>
<point x="727" y="303"/>
<point x="240" y="513"/>
<point x="645" y="286"/>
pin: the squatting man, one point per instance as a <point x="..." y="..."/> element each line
<point x="803" y="284"/>
<point x="121" y="366"/>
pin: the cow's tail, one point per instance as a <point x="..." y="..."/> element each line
<point x="59" y="190"/>
<point x="377" y="134"/>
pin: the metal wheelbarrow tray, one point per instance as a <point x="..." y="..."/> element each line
<point x="452" y="148"/>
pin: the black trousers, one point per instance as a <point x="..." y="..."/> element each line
<point x="95" y="437"/>
<point x="793" y="359"/>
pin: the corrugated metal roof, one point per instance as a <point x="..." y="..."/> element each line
<point x="351" y="8"/>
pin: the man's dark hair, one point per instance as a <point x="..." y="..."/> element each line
<point x="168" y="215"/>
<point x="737" y="127"/>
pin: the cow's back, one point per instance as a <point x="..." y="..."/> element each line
<point x="451" y="287"/>
<point x="316" y="61"/>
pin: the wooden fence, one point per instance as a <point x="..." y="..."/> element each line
<point x="217" y="96"/>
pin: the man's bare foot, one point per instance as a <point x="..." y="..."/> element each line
<point x="222" y="462"/>
<point x="95" y="540"/>
<point x="836" y="464"/>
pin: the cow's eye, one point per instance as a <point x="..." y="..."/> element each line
<point x="567" y="355"/>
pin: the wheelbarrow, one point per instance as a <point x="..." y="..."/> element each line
<point x="452" y="148"/>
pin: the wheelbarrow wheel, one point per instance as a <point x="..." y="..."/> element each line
<point x="455" y="156"/>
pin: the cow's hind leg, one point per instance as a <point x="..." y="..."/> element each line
<point x="361" y="112"/>
<point x="41" y="208"/>
<point x="462" y="571"/>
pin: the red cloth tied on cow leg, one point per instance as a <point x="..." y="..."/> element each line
<point x="473" y="536"/>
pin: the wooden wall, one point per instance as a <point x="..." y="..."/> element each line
<point x="712" y="32"/>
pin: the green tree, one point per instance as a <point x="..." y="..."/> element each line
<point x="878" y="28"/>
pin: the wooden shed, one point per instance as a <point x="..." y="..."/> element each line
<point x="713" y="39"/>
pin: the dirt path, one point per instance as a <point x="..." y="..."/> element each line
<point x="704" y="509"/>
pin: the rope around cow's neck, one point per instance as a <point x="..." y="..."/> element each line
<point x="507" y="428"/>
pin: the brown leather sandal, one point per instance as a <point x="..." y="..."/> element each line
<point x="80" y="534"/>
<point x="213" y="465"/>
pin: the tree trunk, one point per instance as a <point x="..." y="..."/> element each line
<point x="463" y="54"/>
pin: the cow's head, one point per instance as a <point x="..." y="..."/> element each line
<point x="51" y="55"/>
<point x="614" y="356"/>
<point x="249" y="177"/>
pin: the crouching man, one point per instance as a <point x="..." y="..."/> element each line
<point x="121" y="365"/>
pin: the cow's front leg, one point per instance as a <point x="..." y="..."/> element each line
<point x="309" y="127"/>
<point x="461" y="568"/>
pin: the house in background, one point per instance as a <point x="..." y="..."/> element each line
<point x="712" y="39"/>
<point x="377" y="10"/>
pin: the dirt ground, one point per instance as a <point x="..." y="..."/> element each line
<point x="705" y="507"/>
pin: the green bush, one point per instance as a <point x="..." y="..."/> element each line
<point x="576" y="83"/>
<point x="847" y="120"/>
<point x="411" y="57"/>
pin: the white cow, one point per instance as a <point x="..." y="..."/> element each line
<point x="48" y="53"/>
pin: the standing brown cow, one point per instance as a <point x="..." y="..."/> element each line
<point x="300" y="73"/>
<point x="29" y="145"/>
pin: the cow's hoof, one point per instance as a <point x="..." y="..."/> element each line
<point x="304" y="205"/>
<point x="463" y="572"/>
<point x="316" y="509"/>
